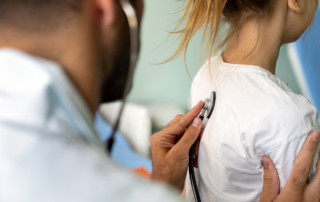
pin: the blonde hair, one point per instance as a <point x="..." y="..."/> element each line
<point x="209" y="15"/>
<point x="199" y="14"/>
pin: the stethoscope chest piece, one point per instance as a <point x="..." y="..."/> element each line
<point x="212" y="103"/>
<point x="209" y="104"/>
<point x="207" y="111"/>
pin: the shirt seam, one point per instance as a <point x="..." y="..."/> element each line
<point x="315" y="118"/>
<point x="290" y="141"/>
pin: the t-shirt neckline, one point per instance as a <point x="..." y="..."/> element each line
<point x="247" y="68"/>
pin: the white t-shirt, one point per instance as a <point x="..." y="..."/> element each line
<point x="256" y="114"/>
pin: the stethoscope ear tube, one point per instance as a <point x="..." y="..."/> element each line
<point x="208" y="107"/>
<point x="134" y="53"/>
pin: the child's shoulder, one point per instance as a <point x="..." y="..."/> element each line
<point x="289" y="108"/>
<point x="286" y="118"/>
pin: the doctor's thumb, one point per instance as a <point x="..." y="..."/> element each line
<point x="271" y="183"/>
<point x="189" y="137"/>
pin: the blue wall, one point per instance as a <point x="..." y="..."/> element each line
<point x="308" y="48"/>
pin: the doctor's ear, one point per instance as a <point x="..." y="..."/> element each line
<point x="294" y="5"/>
<point x="108" y="11"/>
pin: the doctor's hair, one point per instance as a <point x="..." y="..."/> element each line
<point x="38" y="14"/>
<point x="209" y="16"/>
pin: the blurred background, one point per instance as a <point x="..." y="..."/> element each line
<point x="161" y="92"/>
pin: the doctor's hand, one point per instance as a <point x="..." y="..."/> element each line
<point x="170" y="147"/>
<point x="296" y="189"/>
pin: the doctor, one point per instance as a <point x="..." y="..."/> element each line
<point x="59" y="59"/>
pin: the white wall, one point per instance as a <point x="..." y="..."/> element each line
<point x="170" y="83"/>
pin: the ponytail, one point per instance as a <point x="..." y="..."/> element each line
<point x="199" y="14"/>
<point x="207" y="15"/>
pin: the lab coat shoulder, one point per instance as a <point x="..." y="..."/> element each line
<point x="65" y="168"/>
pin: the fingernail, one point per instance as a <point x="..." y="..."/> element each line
<point x="316" y="136"/>
<point x="196" y="122"/>
<point x="265" y="163"/>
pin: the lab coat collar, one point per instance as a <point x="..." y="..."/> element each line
<point x="36" y="93"/>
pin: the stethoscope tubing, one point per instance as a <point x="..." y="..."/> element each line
<point x="134" y="54"/>
<point x="193" y="181"/>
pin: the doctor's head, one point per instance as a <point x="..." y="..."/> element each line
<point x="88" y="38"/>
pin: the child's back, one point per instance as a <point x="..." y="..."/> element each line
<point x="256" y="114"/>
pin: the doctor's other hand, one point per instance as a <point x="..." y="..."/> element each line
<point x="170" y="147"/>
<point x="296" y="189"/>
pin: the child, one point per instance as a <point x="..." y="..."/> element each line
<point x="256" y="113"/>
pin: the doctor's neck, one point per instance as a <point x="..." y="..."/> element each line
<point x="71" y="44"/>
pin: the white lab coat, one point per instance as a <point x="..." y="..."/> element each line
<point x="49" y="150"/>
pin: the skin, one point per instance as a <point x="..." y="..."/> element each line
<point x="258" y="42"/>
<point x="66" y="47"/>
<point x="86" y="60"/>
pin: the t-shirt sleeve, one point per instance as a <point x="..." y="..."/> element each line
<point x="290" y="138"/>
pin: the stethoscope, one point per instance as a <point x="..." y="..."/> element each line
<point x="206" y="112"/>
<point x="134" y="54"/>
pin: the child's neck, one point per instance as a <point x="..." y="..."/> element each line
<point x="256" y="44"/>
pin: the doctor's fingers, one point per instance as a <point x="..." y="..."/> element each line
<point x="180" y="123"/>
<point x="166" y="140"/>
<point x="312" y="192"/>
<point x="297" y="181"/>
<point x="190" y="136"/>
<point x="271" y="183"/>
<point x="175" y="120"/>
